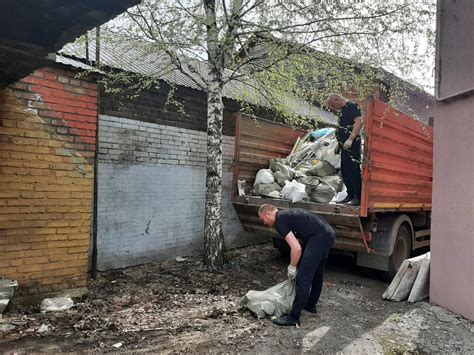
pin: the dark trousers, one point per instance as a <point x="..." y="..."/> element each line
<point x="310" y="273"/>
<point x="350" y="169"/>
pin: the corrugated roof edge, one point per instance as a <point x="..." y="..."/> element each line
<point x="232" y="90"/>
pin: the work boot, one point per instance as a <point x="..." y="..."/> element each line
<point x="310" y="309"/>
<point x="345" y="200"/>
<point x="354" y="202"/>
<point x="287" y="321"/>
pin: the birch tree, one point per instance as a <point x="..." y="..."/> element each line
<point x="275" y="49"/>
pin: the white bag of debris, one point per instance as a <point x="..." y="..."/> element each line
<point x="56" y="304"/>
<point x="264" y="176"/>
<point x="411" y="280"/>
<point x="274" y="301"/>
<point x="294" y="191"/>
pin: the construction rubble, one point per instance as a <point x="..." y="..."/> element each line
<point x="310" y="173"/>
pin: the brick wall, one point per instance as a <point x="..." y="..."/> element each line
<point x="150" y="106"/>
<point x="47" y="144"/>
<point x="152" y="190"/>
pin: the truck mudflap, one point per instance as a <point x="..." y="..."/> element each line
<point x="344" y="219"/>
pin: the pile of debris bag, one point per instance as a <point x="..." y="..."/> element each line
<point x="310" y="173"/>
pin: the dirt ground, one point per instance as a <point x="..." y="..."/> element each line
<point x="178" y="307"/>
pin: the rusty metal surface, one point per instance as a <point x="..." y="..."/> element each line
<point x="398" y="162"/>
<point x="344" y="219"/>
<point x="257" y="141"/>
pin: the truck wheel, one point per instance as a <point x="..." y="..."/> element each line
<point x="401" y="250"/>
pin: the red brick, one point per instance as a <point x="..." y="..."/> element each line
<point x="74" y="89"/>
<point x="39" y="73"/>
<point x="61" y="108"/>
<point x="43" y="82"/>
<point x="82" y="125"/>
<point x="50" y="76"/>
<point x="86" y="112"/>
<point x="80" y="118"/>
<point x="82" y="132"/>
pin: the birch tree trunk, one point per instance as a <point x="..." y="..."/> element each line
<point x="213" y="236"/>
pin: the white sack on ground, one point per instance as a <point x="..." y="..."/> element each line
<point x="274" y="301"/>
<point x="403" y="282"/>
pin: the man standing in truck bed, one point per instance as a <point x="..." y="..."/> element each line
<point x="347" y="134"/>
<point x="310" y="238"/>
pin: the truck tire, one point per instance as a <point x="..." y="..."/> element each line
<point x="401" y="250"/>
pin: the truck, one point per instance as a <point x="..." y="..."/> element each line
<point x="394" y="217"/>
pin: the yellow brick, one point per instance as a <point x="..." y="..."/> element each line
<point x="9" y="209"/>
<point x="5" y="263"/>
<point x="33" y="194"/>
<point x="21" y="202"/>
<point x="63" y="257"/>
<point x="11" y="186"/>
<point x="50" y="158"/>
<point x="11" y="163"/>
<point x="26" y="231"/>
<point x="70" y="231"/>
<point x="59" y="166"/>
<point x="32" y="209"/>
<point x="21" y="173"/>
<point x="33" y="126"/>
<point x="9" y="194"/>
<point x="78" y="223"/>
<point x="15" y="247"/>
<point x="83" y="233"/>
<point x="8" y="123"/>
<point x="32" y="238"/>
<point x="23" y="156"/>
<point x="50" y="216"/>
<point x="21" y="254"/>
<point x="17" y="262"/>
<point x="36" y="260"/>
<point x="58" y="223"/>
<point x="83" y="195"/>
<point x="26" y="269"/>
<point x="58" y="195"/>
<point x="25" y="133"/>
<point x="79" y="250"/>
<point x="51" y="143"/>
<point x="66" y="244"/>
<point x="69" y="209"/>
<point x="35" y="165"/>
<point x="10" y="272"/>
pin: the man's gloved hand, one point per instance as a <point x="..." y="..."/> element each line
<point x="348" y="144"/>
<point x="291" y="272"/>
